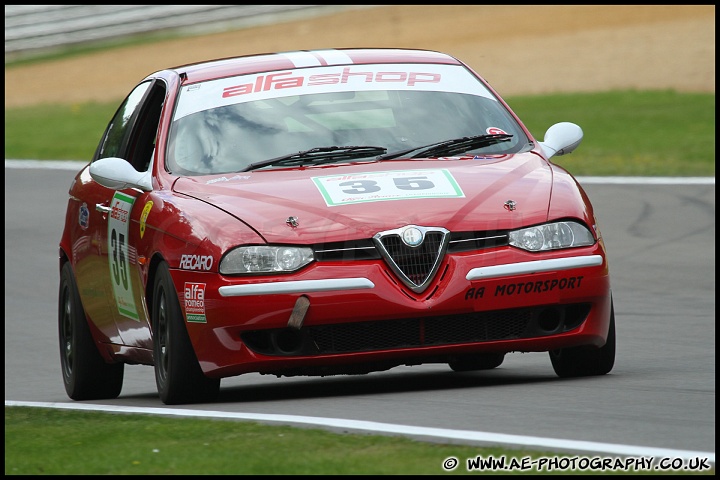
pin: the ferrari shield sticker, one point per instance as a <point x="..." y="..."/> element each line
<point x="143" y="217"/>
<point x="118" y="227"/>
<point x="388" y="185"/>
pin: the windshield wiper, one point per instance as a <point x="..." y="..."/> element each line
<point x="319" y="155"/>
<point x="450" y="147"/>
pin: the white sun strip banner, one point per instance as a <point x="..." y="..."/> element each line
<point x="341" y="78"/>
<point x="303" y="59"/>
<point x="317" y="58"/>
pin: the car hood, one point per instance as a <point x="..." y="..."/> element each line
<point x="343" y="202"/>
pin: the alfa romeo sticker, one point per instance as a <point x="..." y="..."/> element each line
<point x="118" y="228"/>
<point x="195" y="302"/>
<point x="388" y="185"/>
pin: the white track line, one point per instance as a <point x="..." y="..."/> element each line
<point x="540" y="443"/>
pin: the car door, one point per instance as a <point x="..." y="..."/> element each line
<point x="111" y="266"/>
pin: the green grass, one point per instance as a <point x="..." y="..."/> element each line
<point x="43" y="441"/>
<point x="634" y="133"/>
<point x="56" y="132"/>
<point x="643" y="133"/>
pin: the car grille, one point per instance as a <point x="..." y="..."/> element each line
<point x="418" y="332"/>
<point x="357" y="337"/>
<point x="414" y="266"/>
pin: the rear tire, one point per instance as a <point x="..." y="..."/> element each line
<point x="178" y="375"/>
<point x="586" y="361"/>
<point x="86" y="375"/>
<point x="480" y="361"/>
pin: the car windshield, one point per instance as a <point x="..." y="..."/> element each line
<point x="228" y="125"/>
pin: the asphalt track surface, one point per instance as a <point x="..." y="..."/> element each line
<point x="659" y="400"/>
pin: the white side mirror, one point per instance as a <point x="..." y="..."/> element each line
<point x="561" y="139"/>
<point x="118" y="174"/>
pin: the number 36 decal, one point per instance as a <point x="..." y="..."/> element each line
<point x="383" y="186"/>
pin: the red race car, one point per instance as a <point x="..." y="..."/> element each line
<point x="325" y="212"/>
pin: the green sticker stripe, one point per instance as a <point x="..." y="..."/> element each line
<point x="125" y="198"/>
<point x="128" y="313"/>
<point x="453" y="183"/>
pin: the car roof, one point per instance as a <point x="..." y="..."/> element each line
<point x="257" y="63"/>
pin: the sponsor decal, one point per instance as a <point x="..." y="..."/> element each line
<point x="495" y="131"/>
<point x="347" y="75"/>
<point x="516" y="289"/>
<point x="120" y="255"/>
<point x="389" y="185"/>
<point x="195" y="302"/>
<point x="143" y="217"/>
<point x="196" y="262"/>
<point x="121" y="207"/>
<point x="325" y="79"/>
<point x="84" y="216"/>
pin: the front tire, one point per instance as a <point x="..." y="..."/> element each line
<point x="586" y="361"/>
<point x="178" y="375"/>
<point x="86" y="375"/>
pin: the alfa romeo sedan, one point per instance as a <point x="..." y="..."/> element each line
<point x="320" y="213"/>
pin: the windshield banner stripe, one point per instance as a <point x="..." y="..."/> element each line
<point x="333" y="57"/>
<point x="247" y="88"/>
<point x="302" y="59"/>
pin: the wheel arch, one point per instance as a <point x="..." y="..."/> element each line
<point x="155" y="261"/>
<point x="63" y="258"/>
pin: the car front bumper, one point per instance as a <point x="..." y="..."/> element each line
<point x="346" y="317"/>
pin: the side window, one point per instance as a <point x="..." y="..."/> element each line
<point x="142" y="143"/>
<point x="119" y="129"/>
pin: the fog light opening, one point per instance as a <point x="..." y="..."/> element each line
<point x="550" y="319"/>
<point x="287" y="341"/>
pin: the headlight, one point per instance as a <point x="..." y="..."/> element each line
<point x="265" y="259"/>
<point x="552" y="236"/>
